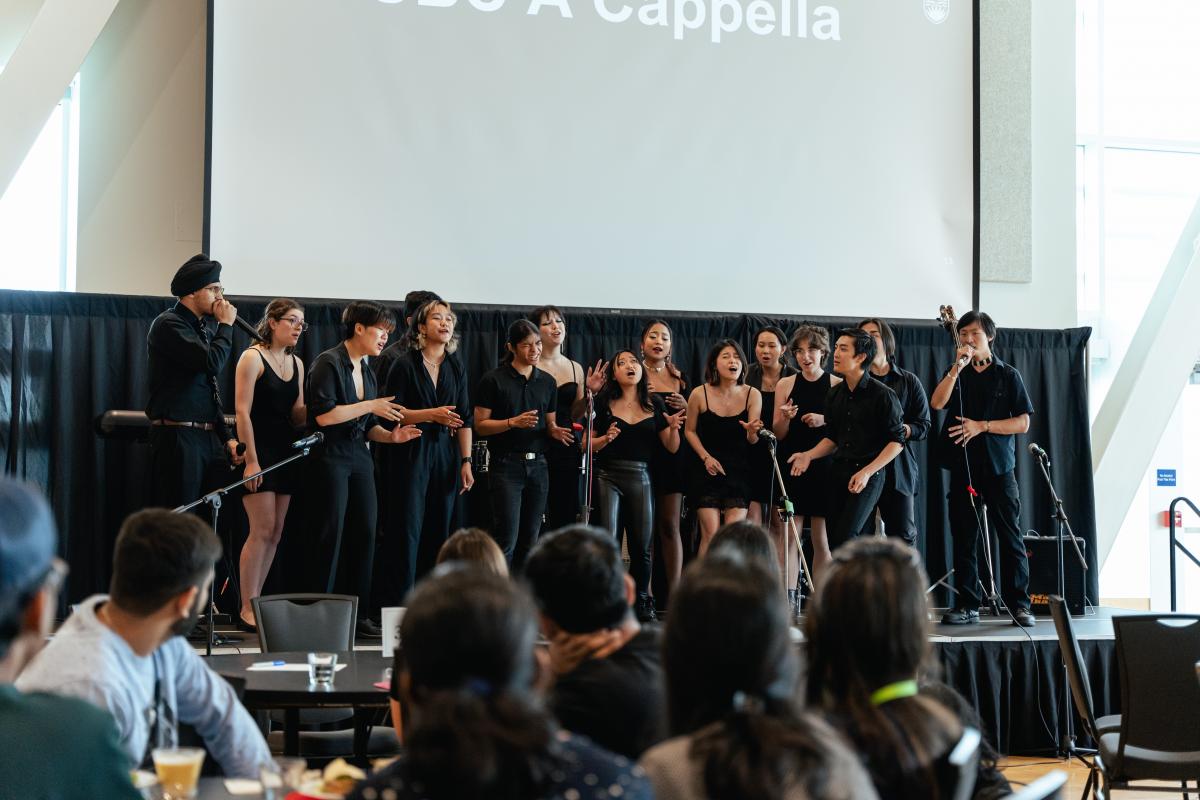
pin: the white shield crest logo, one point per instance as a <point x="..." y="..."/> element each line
<point x="936" y="11"/>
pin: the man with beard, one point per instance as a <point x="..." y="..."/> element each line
<point x="126" y="652"/>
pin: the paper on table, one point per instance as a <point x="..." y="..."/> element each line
<point x="271" y="666"/>
<point x="243" y="786"/>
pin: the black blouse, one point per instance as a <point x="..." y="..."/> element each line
<point x="408" y="381"/>
<point x="636" y="442"/>
<point x="330" y="383"/>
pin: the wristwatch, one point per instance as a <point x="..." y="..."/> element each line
<point x="466" y="459"/>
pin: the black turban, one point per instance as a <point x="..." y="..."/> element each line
<point x="196" y="273"/>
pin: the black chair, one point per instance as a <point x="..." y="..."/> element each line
<point x="957" y="769"/>
<point x="1047" y="787"/>
<point x="1159" y="737"/>
<point x="1081" y="688"/>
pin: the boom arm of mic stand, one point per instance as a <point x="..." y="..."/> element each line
<point x="790" y="521"/>
<point x="214" y="497"/>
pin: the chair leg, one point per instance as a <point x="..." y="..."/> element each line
<point x="1087" y="787"/>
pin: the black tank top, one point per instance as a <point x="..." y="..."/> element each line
<point x="809" y="397"/>
<point x="274" y="398"/>
<point x="564" y="399"/>
<point x="724" y="437"/>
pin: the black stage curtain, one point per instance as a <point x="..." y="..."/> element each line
<point x="66" y="358"/>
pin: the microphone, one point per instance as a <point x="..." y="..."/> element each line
<point x="240" y="450"/>
<point x="765" y="433"/>
<point x="308" y="441"/>
<point x="1038" y="452"/>
<point x="248" y="328"/>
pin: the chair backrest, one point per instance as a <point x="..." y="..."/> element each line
<point x="958" y="769"/>
<point x="1047" y="787"/>
<point x="1077" y="677"/>
<point x="306" y="622"/>
<point x="1160" y="698"/>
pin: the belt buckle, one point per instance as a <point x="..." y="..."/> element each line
<point x="529" y="456"/>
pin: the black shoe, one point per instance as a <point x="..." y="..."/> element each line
<point x="1024" y="617"/>
<point x="246" y="627"/>
<point x="644" y="609"/>
<point x="961" y="616"/>
<point x="369" y="629"/>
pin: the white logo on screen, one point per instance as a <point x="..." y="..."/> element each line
<point x="936" y="11"/>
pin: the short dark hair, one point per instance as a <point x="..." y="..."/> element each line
<point x="158" y="555"/>
<point x="816" y="335"/>
<point x="863" y="344"/>
<point x="366" y="313"/>
<point x="885" y="333"/>
<point x="518" y="331"/>
<point x="981" y="317"/>
<point x="578" y="579"/>
<point x="749" y="539"/>
<point x="710" y="364"/>
<point x="535" y="315"/>
<point x="417" y="298"/>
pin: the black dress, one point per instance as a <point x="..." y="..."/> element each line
<point x="725" y="440"/>
<point x="563" y="461"/>
<point x="669" y="471"/>
<point x="762" y="472"/>
<point x="809" y="492"/>
<point x="271" y="416"/>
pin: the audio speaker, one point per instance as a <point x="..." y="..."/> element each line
<point x="1043" y="572"/>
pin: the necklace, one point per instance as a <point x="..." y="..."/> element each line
<point x="983" y="362"/>
<point x="278" y="361"/>
<point x="432" y="364"/>
<point x="655" y="369"/>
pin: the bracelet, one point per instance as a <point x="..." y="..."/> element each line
<point x="508" y="424"/>
<point x="988" y="426"/>
<point x="466" y="459"/>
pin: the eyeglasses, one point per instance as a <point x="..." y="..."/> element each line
<point x="295" y="322"/>
<point x="55" y="575"/>
<point x="217" y="290"/>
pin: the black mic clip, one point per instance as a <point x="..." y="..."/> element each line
<point x="308" y="441"/>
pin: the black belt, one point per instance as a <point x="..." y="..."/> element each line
<point x="517" y="455"/>
<point x="170" y="423"/>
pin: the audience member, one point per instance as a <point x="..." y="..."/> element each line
<point x="52" y="746"/>
<point x="608" y="667"/>
<point x="475" y="728"/>
<point x="751" y="540"/>
<point x="868" y="635"/>
<point x="126" y="652"/>
<point x="476" y="546"/>
<point x="990" y="783"/>
<point x="731" y="674"/>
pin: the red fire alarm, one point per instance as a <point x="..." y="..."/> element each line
<point x="1165" y="518"/>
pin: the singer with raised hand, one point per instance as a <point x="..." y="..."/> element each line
<point x="268" y="400"/>
<point x="986" y="407"/>
<point x="630" y="426"/>
<point x="426" y="475"/>
<point x="863" y="432"/>
<point x="515" y="410"/>
<point x="342" y="404"/>
<point x="189" y="440"/>
<point x="723" y="421"/>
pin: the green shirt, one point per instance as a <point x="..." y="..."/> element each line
<point x="59" y="747"/>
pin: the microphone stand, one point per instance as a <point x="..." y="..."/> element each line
<point x="788" y="513"/>
<point x="214" y="499"/>
<point x="585" y="513"/>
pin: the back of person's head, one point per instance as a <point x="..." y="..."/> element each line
<point x="475" y="546"/>
<point x="468" y="653"/>
<point x="748" y="538"/>
<point x="578" y="579"/>
<point x="731" y="671"/>
<point x="27" y="546"/>
<point x="868" y="628"/>
<point x="158" y="556"/>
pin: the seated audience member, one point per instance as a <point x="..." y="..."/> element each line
<point x="476" y="546"/>
<point x="126" y="652"/>
<point x="475" y="728"/>
<point x="731" y="672"/>
<point x="990" y="783"/>
<point x="608" y="670"/>
<point x="868" y="636"/>
<point x="52" y="746"/>
<point x="750" y="540"/>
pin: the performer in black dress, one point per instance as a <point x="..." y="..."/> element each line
<point x="769" y="367"/>
<point x="723" y="420"/>
<point x="629" y="429"/>
<point x="425" y="475"/>
<point x="342" y="404"/>
<point x="514" y="409"/>
<point x="269" y="403"/>
<point x="563" y="459"/>
<point x="799" y="424"/>
<point x="897" y="503"/>
<point x="189" y="442"/>
<point x="987" y="406"/>
<point x="668" y="471"/>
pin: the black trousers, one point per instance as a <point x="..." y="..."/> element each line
<point x="847" y="513"/>
<point x="518" y="489"/>
<point x="1003" y="500"/>
<point x="423" y="481"/>
<point x="184" y="464"/>
<point x="898" y="512"/>
<point x="342" y="511"/>
<point x="566" y="486"/>
<point x="625" y="501"/>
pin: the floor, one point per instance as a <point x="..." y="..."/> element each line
<point x="1020" y="770"/>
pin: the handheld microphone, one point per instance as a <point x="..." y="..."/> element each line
<point x="240" y="450"/>
<point x="1038" y="452"/>
<point x="308" y="441"/>
<point x="248" y="328"/>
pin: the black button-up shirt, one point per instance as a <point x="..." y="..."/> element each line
<point x="408" y="381"/>
<point x="330" y="383"/>
<point x="863" y="421"/>
<point x="183" y="359"/>
<point x="914" y="406"/>
<point x="996" y="393"/>
<point x="507" y="393"/>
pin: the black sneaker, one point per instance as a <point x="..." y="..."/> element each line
<point x="368" y="629"/>
<point x="1024" y="617"/>
<point x="961" y="616"/>
<point x="644" y="609"/>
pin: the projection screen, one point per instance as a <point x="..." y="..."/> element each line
<point x="772" y="156"/>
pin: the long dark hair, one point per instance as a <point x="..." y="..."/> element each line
<point x="710" y="363"/>
<point x="672" y="370"/>
<point x="477" y="728"/>
<point x="731" y="672"/>
<point x="868" y="627"/>
<point x="612" y="390"/>
<point x="275" y="311"/>
<point x="518" y="331"/>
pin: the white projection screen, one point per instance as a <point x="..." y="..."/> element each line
<point x="769" y="156"/>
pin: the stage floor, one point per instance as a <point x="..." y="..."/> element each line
<point x="1096" y="624"/>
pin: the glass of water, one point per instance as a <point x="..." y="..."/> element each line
<point x="321" y="667"/>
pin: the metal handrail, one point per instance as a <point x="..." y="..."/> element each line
<point x="1175" y="543"/>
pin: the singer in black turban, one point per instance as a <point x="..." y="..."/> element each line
<point x="189" y="440"/>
